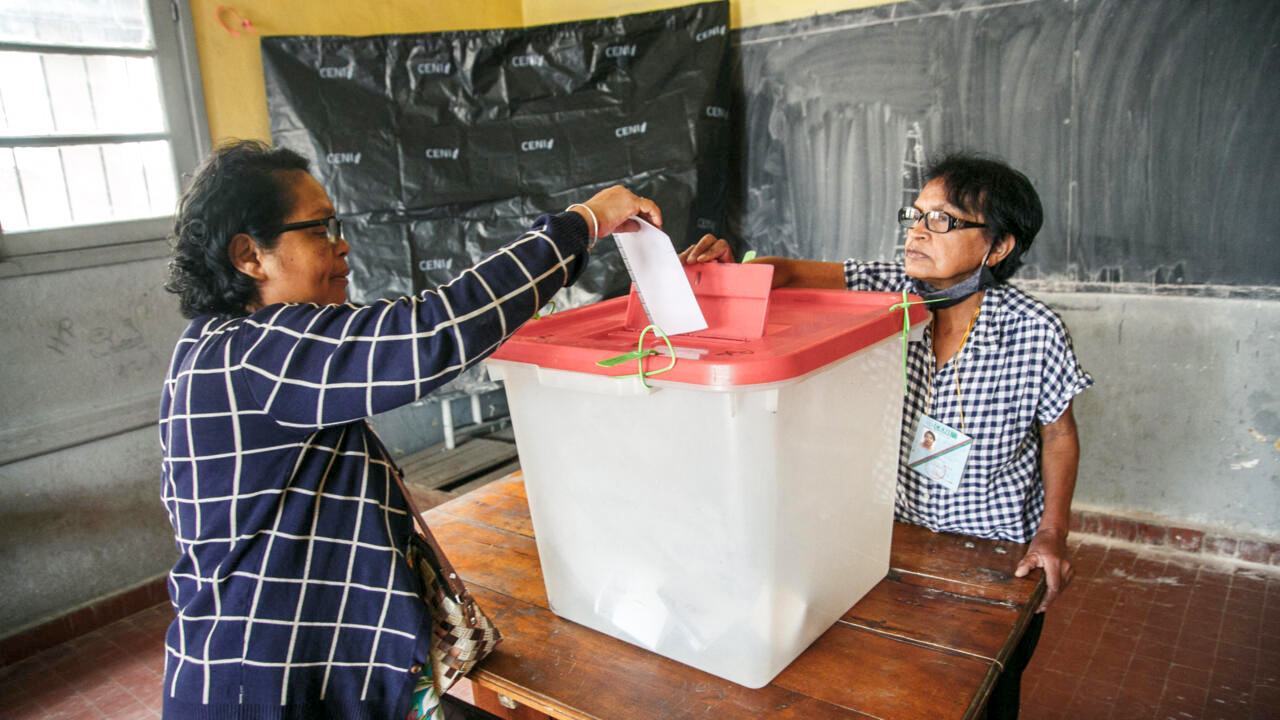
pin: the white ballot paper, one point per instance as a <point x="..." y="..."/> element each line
<point x="660" y="280"/>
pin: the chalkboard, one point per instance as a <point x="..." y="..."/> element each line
<point x="1149" y="128"/>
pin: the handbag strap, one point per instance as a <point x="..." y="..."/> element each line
<point x="447" y="574"/>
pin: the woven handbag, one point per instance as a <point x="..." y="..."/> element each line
<point x="462" y="634"/>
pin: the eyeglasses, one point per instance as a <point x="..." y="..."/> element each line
<point x="332" y="227"/>
<point x="934" y="220"/>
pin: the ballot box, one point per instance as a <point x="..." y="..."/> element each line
<point x="726" y="512"/>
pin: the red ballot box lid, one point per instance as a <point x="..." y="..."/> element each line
<point x="754" y="335"/>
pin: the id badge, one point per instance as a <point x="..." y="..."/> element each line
<point x="939" y="452"/>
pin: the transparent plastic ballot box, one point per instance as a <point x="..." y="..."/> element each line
<point x="726" y="512"/>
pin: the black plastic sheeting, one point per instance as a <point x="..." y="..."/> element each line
<point x="438" y="148"/>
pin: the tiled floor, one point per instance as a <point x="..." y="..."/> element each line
<point x="1146" y="634"/>
<point x="114" y="672"/>
<point x="1141" y="635"/>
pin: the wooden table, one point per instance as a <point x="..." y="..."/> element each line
<point x="927" y="642"/>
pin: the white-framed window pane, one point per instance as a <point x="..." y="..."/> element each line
<point x="126" y="95"/>
<point x="24" y="95"/>
<point x="44" y="188"/>
<point x="104" y="23"/>
<point x="55" y="187"/>
<point x="162" y="180"/>
<point x="68" y="81"/>
<point x="140" y="179"/>
<point x="43" y="94"/>
<point x="86" y="184"/>
<point x="13" y="216"/>
<point x="126" y="180"/>
<point x="96" y="125"/>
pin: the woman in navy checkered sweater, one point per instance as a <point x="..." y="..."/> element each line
<point x="997" y="366"/>
<point x="292" y="596"/>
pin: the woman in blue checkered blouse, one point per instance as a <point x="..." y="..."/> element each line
<point x="997" y="366"/>
<point x="291" y="593"/>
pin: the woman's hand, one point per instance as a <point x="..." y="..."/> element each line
<point x="1048" y="550"/>
<point x="709" y="249"/>
<point x="613" y="208"/>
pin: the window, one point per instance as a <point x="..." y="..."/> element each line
<point x="100" y="116"/>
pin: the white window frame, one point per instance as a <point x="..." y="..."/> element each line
<point x="80" y="246"/>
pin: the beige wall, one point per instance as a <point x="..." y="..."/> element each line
<point x="231" y="68"/>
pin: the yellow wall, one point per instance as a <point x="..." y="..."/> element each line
<point x="742" y="13"/>
<point x="231" y="68"/>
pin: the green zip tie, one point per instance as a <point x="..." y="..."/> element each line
<point x="748" y="256"/>
<point x="906" y="329"/>
<point x="539" y="315"/>
<point x="640" y="354"/>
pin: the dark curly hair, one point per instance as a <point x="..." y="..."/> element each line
<point x="1002" y="196"/>
<point x="237" y="189"/>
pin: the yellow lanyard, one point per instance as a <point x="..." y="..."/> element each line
<point x="928" y="400"/>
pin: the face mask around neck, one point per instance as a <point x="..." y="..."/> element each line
<point x="981" y="279"/>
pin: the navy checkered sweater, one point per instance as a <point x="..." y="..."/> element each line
<point x="292" y="596"/>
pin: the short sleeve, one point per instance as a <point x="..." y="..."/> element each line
<point x="1063" y="377"/>
<point x="875" y="276"/>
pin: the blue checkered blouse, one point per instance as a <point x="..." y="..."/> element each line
<point x="292" y="596"/>
<point x="1017" y="372"/>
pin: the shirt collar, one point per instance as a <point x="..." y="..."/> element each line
<point x="987" y="331"/>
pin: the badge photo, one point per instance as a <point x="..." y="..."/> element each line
<point x="939" y="452"/>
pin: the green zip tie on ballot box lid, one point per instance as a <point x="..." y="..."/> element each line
<point x="640" y="354"/>
<point x="550" y="304"/>
<point x="904" y="306"/>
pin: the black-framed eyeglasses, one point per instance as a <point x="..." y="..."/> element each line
<point x="934" y="220"/>
<point x="332" y="227"/>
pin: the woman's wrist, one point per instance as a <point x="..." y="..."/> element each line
<point x="1056" y="531"/>
<point x="589" y="216"/>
